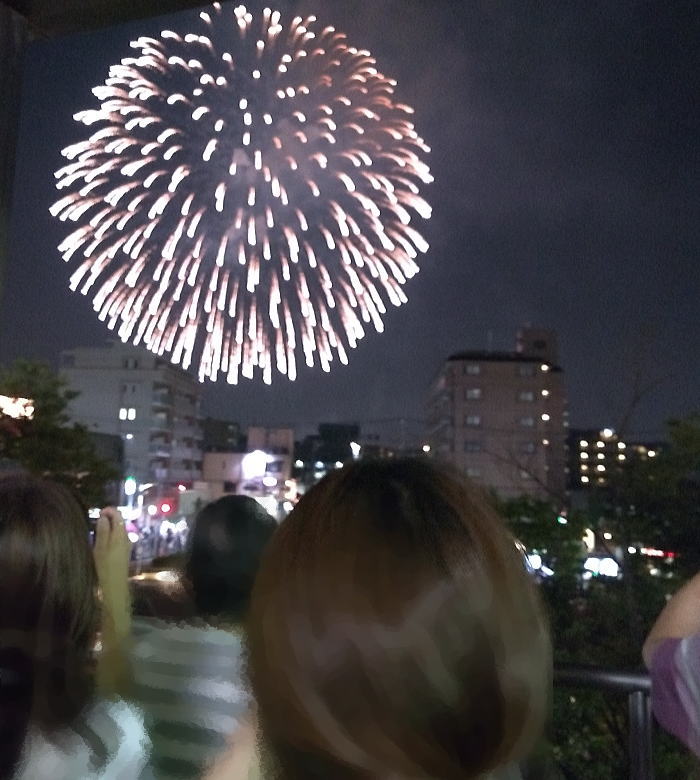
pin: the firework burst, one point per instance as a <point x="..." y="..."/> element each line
<point x="246" y="196"/>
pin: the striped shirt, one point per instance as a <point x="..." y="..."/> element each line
<point x="675" y="688"/>
<point x="189" y="681"/>
<point x="108" y="742"/>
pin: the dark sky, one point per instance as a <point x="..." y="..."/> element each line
<point x="565" y="153"/>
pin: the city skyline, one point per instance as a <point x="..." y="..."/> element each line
<point x="563" y="198"/>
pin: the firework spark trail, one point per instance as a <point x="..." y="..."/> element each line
<point x="248" y="194"/>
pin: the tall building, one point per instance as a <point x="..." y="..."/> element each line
<point x="596" y="454"/>
<point x="222" y="436"/>
<point x="151" y="404"/>
<point x="501" y="417"/>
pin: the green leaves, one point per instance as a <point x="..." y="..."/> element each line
<point x="49" y="444"/>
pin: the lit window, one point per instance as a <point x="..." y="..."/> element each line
<point x="526" y="395"/>
<point x="621" y="445"/>
<point x="607" y="535"/>
<point x="584" y="456"/>
<point x="473" y="393"/>
<point x="621" y="457"/>
<point x="527" y="422"/>
<point x="473" y="420"/>
<point x="545" y="417"/>
<point x="600" y="444"/>
<point x="122" y="413"/>
<point x="600" y="467"/>
<point x="545" y="393"/>
<point x="584" y="479"/>
<point x="651" y="454"/>
<point x="129" y="436"/>
<point x="131" y="414"/>
<point x="583" y="443"/>
<point x="601" y="456"/>
<point x="545" y="442"/>
<point x="472" y="369"/>
<point x="607" y="433"/>
<point x="584" y="467"/>
<point x="544" y="367"/>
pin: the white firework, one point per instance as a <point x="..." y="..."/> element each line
<point x="246" y="196"/>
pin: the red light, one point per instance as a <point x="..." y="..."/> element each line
<point x="165" y="508"/>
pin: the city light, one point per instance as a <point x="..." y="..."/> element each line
<point x="545" y="417"/>
<point x="129" y="486"/>
<point x="355" y="449"/>
<point x="583" y="443"/>
<point x="585" y="479"/>
<point x="254" y="465"/>
<point x="621" y="445"/>
<point x="339" y="464"/>
<point x="152" y="509"/>
<point x="651" y="453"/>
<point x="426" y="448"/>
<point x="584" y="456"/>
<point x="181" y="488"/>
<point x="544" y="367"/>
<point x="600" y="444"/>
<point x="607" y="535"/>
<point x="545" y="393"/>
<point x="16" y="408"/>
<point x="299" y="464"/>
<point x="165" y="507"/>
<point x="133" y="537"/>
<point x="607" y="433"/>
<point x="631" y="550"/>
<point x="269" y="482"/>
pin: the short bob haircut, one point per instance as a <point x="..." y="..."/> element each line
<point x="48" y="611"/>
<point x="395" y="633"/>
<point x="223" y="555"/>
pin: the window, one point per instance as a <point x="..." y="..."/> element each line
<point x="472" y="369"/>
<point x="473" y="473"/>
<point x="473" y="420"/>
<point x="473" y="393"/>
<point x="526" y="395"/>
<point x="131" y="363"/>
<point x="131" y="413"/>
<point x="122" y="413"/>
<point x="526" y="369"/>
<point x="527" y="422"/>
<point x="528" y="447"/>
<point x="472" y="446"/>
<point x="525" y="475"/>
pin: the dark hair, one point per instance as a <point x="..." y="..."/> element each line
<point x="395" y="633"/>
<point x="48" y="611"/>
<point x="224" y="551"/>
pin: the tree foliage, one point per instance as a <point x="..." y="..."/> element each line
<point x="49" y="444"/>
<point x="652" y="502"/>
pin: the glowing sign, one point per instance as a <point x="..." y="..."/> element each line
<point x="16" y="407"/>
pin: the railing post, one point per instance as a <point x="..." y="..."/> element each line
<point x="640" y="722"/>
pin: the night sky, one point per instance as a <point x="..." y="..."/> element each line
<point x="565" y="154"/>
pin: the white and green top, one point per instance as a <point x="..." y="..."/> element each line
<point x="189" y="680"/>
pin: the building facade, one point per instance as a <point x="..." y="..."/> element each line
<point x="595" y="455"/>
<point x="153" y="406"/>
<point x="502" y="418"/>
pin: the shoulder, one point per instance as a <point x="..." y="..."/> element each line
<point x="107" y="742"/>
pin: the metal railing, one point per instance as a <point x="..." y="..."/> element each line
<point x="637" y="686"/>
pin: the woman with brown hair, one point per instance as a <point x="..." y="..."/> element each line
<point x="394" y="633"/>
<point x="52" y="722"/>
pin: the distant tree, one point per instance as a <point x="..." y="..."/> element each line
<point x="49" y="444"/>
<point x="653" y="502"/>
